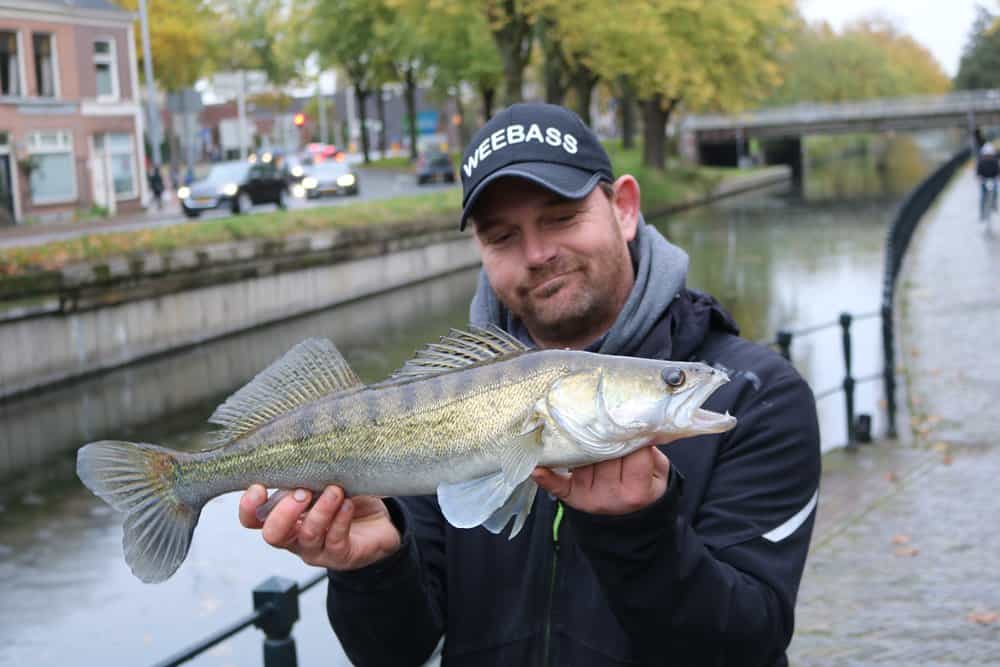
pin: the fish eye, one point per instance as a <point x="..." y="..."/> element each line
<point x="673" y="377"/>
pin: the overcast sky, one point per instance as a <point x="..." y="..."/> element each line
<point x="940" y="25"/>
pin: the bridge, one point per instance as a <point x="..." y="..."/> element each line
<point x="721" y="138"/>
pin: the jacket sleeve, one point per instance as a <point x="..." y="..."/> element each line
<point x="719" y="587"/>
<point x="391" y="612"/>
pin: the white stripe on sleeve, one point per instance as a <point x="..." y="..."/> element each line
<point x="790" y="526"/>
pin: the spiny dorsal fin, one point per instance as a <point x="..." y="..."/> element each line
<point x="311" y="370"/>
<point x="460" y="349"/>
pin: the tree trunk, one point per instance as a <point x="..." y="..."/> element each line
<point x="554" y="66"/>
<point x="488" y="94"/>
<point x="512" y="35"/>
<point x="361" y="95"/>
<point x="655" y="118"/>
<point x="583" y="81"/>
<point x="383" y="146"/>
<point x="626" y="110"/>
<point x="411" y="109"/>
<point x="463" y="132"/>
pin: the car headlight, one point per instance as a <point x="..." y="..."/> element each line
<point x="183" y="192"/>
<point x="345" y="181"/>
<point x="230" y="189"/>
<point x="299" y="191"/>
<point x="297" y="171"/>
<point x="309" y="182"/>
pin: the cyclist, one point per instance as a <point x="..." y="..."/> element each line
<point x="987" y="168"/>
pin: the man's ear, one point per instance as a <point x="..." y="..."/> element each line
<point x="626" y="205"/>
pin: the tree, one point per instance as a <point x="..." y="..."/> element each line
<point x="343" y="34"/>
<point x="510" y="26"/>
<point x="704" y="54"/>
<point x="980" y="64"/>
<point x="180" y="35"/>
<point x="869" y="58"/>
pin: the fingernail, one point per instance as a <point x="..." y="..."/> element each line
<point x="334" y="495"/>
<point x="346" y="507"/>
<point x="300" y="495"/>
<point x="257" y="496"/>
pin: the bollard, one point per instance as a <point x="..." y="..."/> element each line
<point x="784" y="341"/>
<point x="863" y="428"/>
<point x="845" y="325"/>
<point x="279" y="598"/>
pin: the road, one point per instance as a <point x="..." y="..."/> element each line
<point x="375" y="184"/>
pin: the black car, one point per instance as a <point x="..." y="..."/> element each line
<point x="236" y="186"/>
<point x="435" y="166"/>
<point x="327" y="178"/>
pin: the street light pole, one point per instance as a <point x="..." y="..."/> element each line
<point x="147" y="62"/>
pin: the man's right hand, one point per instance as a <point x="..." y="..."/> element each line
<point x="337" y="533"/>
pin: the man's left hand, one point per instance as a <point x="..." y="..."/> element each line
<point x="615" y="487"/>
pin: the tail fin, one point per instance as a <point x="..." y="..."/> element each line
<point x="141" y="480"/>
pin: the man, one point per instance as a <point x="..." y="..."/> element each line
<point x="987" y="168"/>
<point x="689" y="555"/>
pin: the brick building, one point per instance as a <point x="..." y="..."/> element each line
<point x="71" y="123"/>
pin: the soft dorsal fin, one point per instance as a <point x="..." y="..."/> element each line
<point x="460" y="349"/>
<point x="312" y="369"/>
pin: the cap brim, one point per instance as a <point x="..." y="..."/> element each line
<point x="565" y="181"/>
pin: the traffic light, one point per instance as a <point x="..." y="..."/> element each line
<point x="299" y="120"/>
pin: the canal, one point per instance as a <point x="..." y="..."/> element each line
<point x="776" y="259"/>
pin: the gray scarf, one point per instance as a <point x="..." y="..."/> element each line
<point x="660" y="272"/>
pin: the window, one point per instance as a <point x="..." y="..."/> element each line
<point x="122" y="162"/>
<point x="10" y="80"/>
<point x="45" y="66"/>
<point x="53" y="176"/>
<point x="105" y="69"/>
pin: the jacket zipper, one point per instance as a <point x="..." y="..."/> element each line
<point x="552" y="583"/>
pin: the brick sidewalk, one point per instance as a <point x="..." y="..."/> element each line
<point x="903" y="568"/>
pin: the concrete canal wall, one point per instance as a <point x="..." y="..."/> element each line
<point x="116" y="313"/>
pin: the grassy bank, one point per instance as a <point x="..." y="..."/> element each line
<point x="659" y="189"/>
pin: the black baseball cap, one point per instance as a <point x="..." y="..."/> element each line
<point x="543" y="143"/>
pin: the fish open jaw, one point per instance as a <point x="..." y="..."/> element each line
<point x="700" y="420"/>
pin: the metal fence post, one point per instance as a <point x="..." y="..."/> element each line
<point x="279" y="599"/>
<point x="784" y="341"/>
<point x="845" y="325"/>
<point x="889" y="359"/>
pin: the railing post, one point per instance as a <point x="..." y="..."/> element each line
<point x="845" y="325"/>
<point x="279" y="598"/>
<point x="889" y="359"/>
<point x="784" y="340"/>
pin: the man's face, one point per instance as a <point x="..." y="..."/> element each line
<point x="561" y="266"/>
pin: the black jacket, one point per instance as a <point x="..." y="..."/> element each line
<point x="988" y="166"/>
<point x="704" y="576"/>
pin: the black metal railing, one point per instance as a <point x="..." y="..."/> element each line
<point x="858" y="426"/>
<point x="275" y="611"/>
<point x="909" y="213"/>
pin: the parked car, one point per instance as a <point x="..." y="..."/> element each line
<point x="293" y="168"/>
<point x="327" y="178"/>
<point x="434" y="166"/>
<point x="236" y="186"/>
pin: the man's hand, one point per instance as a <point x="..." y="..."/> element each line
<point x="616" y="487"/>
<point x="337" y="533"/>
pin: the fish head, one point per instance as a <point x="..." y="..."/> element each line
<point x="626" y="403"/>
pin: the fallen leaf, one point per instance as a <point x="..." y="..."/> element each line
<point x="984" y="618"/>
<point x="901" y="539"/>
<point x="941" y="447"/>
<point x="946" y="459"/>
<point x="907" y="552"/>
<point x="891" y="477"/>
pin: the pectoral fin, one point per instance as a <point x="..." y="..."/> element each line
<point x="518" y="505"/>
<point x="491" y="500"/>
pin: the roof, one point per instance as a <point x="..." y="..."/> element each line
<point x="86" y="5"/>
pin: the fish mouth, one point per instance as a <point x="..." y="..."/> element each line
<point x="699" y="420"/>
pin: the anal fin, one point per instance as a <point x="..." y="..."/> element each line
<point x="518" y="505"/>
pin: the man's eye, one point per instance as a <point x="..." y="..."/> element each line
<point x="500" y="238"/>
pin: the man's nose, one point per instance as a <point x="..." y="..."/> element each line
<point x="538" y="248"/>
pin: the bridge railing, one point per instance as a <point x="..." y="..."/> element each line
<point x="960" y="102"/>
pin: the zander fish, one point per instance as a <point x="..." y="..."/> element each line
<point x="468" y="418"/>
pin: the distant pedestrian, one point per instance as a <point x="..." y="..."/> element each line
<point x="156" y="185"/>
